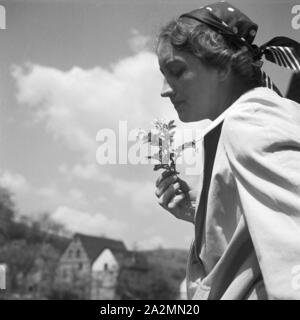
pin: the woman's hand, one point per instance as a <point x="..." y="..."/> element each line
<point x="175" y="196"/>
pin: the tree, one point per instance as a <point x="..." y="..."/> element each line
<point x="20" y="259"/>
<point x="151" y="285"/>
<point x="7" y="212"/>
<point x="47" y="224"/>
<point x="63" y="292"/>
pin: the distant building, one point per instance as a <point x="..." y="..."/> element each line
<point x="93" y="265"/>
<point x="182" y="290"/>
<point x="4" y="280"/>
<point x="3" y="268"/>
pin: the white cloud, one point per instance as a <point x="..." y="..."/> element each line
<point x="85" y="222"/>
<point x="153" y="242"/>
<point x="89" y="171"/>
<point x="140" y="194"/>
<point x="86" y="172"/>
<point x="52" y="196"/>
<point x="14" y="182"/>
<point x="138" y="42"/>
<point x="76" y="104"/>
<point x="32" y="199"/>
<point x="143" y="198"/>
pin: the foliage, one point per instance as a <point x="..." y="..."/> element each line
<point x="166" y="270"/>
<point x="65" y="292"/>
<point x="7" y="212"/>
<point x="31" y="249"/>
<point x="162" y="137"/>
<point x="27" y="247"/>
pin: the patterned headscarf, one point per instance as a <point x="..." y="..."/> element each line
<point x="236" y="27"/>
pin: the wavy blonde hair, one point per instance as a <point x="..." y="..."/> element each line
<point x="211" y="48"/>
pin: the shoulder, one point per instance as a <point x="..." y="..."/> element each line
<point x="263" y="106"/>
<point x="259" y="119"/>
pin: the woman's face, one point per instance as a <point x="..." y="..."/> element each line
<point x="191" y="86"/>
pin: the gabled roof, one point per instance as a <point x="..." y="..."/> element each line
<point x="95" y="245"/>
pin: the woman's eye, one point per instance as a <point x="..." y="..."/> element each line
<point x="177" y="73"/>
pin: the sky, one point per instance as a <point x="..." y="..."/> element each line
<point x="72" y="68"/>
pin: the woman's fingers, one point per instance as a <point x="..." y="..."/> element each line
<point x="168" y="194"/>
<point x="176" y="200"/>
<point x="164" y="185"/>
<point x="184" y="186"/>
<point x="173" y="194"/>
<point x="164" y="175"/>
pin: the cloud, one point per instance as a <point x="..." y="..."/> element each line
<point x="14" y="182"/>
<point x="76" y="104"/>
<point x="139" y="193"/>
<point x="32" y="199"/>
<point x="85" y="222"/>
<point x="153" y="242"/>
<point x="52" y="196"/>
<point x="86" y="171"/>
<point x="138" y="42"/>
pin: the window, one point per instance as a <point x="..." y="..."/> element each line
<point x="78" y="253"/>
<point x="105" y="266"/>
<point x="80" y="265"/>
<point x="70" y="254"/>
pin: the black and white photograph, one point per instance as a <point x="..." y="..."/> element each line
<point x="149" y="150"/>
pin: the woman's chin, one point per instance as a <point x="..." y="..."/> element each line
<point x="184" y="117"/>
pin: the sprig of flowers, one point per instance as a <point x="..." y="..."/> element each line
<point x="162" y="136"/>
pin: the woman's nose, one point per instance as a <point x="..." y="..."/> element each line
<point x="166" y="91"/>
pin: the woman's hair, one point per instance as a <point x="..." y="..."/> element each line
<point x="211" y="48"/>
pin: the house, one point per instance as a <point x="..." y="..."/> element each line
<point x="92" y="266"/>
<point x="182" y="290"/>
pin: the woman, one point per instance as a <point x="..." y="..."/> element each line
<point x="247" y="215"/>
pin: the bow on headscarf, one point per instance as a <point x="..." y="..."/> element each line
<point x="240" y="30"/>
